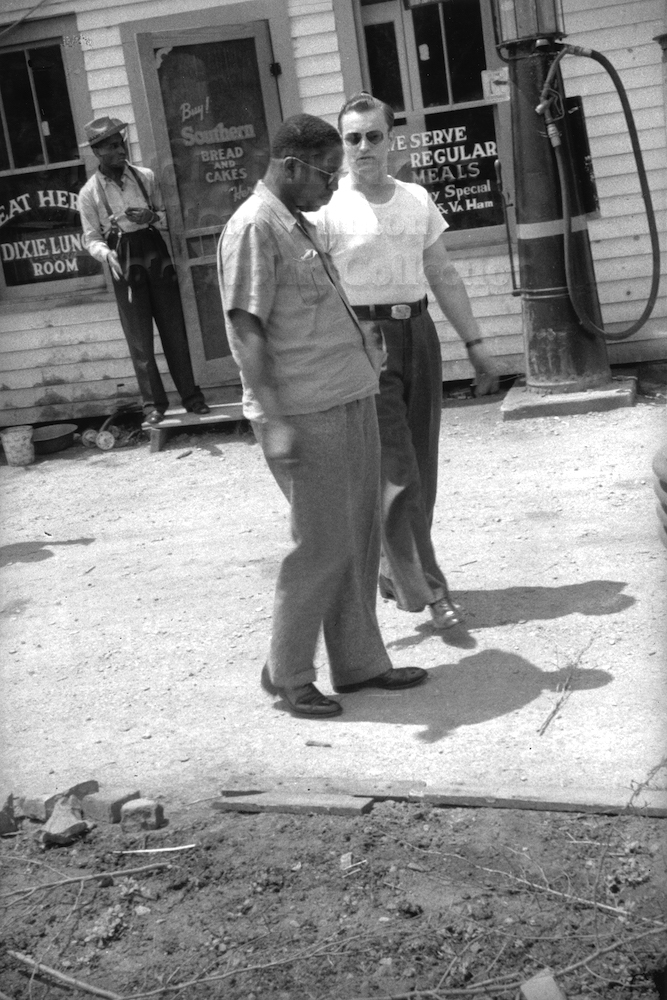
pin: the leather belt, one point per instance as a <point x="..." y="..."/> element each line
<point x="385" y="310"/>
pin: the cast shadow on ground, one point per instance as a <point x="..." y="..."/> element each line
<point x="35" y="551"/>
<point x="490" y="608"/>
<point x="480" y="687"/>
<point x="457" y="637"/>
<point x="514" y="605"/>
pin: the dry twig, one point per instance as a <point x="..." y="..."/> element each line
<point x="45" y="970"/>
<point x="31" y="890"/>
<point x="320" y="951"/>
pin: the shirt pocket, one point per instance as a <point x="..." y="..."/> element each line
<point x="309" y="272"/>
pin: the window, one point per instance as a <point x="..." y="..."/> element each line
<point x="41" y="169"/>
<point x="434" y="63"/>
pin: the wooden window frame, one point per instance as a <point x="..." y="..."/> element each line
<point x="356" y="77"/>
<point x="63" y="31"/>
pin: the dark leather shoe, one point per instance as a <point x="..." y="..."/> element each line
<point x="154" y="417"/>
<point x="445" y="614"/>
<point x="305" y="700"/>
<point x="200" y="408"/>
<point x="393" y="680"/>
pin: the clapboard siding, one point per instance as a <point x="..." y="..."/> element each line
<point x="80" y="351"/>
<point x="71" y="361"/>
<point x="583" y="16"/>
<point x="624" y="33"/>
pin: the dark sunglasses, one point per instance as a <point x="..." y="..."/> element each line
<point x="375" y="137"/>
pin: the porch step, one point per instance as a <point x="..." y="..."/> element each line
<point x="180" y="418"/>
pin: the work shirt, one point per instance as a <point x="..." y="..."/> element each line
<point x="96" y="221"/>
<point x="269" y="267"/>
<point x="378" y="248"/>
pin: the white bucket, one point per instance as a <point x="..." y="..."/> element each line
<point x="17" y="442"/>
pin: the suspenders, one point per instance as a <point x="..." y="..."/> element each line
<point x="105" y="201"/>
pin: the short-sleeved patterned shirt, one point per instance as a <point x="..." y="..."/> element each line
<point x="269" y="267"/>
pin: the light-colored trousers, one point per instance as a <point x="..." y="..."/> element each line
<point x="328" y="580"/>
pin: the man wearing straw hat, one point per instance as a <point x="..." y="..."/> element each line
<point x="120" y="206"/>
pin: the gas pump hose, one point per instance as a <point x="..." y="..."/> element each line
<point x="544" y="107"/>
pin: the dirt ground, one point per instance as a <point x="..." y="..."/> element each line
<point x="428" y="902"/>
<point x="135" y="613"/>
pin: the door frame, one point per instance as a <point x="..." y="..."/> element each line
<point x="150" y="125"/>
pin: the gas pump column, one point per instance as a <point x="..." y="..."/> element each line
<point x="561" y="356"/>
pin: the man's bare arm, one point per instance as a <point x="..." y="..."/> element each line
<point x="252" y="356"/>
<point x="451" y="295"/>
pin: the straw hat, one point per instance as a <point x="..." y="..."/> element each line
<point x="102" y="128"/>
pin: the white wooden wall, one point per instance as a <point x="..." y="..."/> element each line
<point x="623" y="32"/>
<point x="68" y="360"/>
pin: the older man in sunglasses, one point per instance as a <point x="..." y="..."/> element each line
<point x="386" y="239"/>
<point x="309" y="381"/>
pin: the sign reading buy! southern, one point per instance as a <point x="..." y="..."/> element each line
<point x="217" y="127"/>
<point x="453" y="156"/>
<point x="40" y="229"/>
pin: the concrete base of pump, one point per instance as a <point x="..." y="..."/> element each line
<point x="522" y="401"/>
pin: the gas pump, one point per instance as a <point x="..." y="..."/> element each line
<point x="564" y="337"/>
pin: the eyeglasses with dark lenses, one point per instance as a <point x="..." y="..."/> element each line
<point x="375" y="137"/>
<point x="330" y="175"/>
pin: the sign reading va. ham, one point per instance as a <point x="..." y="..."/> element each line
<point x="452" y="154"/>
<point x="40" y="229"/>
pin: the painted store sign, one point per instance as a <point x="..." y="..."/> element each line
<point x="40" y="229"/>
<point x="453" y="157"/>
<point x="217" y="127"/>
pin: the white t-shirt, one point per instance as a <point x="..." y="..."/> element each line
<point x="378" y="249"/>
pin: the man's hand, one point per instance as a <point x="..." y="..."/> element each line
<point x="279" y="441"/>
<point x="114" y="265"/>
<point x="373" y="344"/>
<point x="487" y="372"/>
<point x="140" y="216"/>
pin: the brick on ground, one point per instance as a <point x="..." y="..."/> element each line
<point x="296" y="802"/>
<point x="38" y="807"/>
<point x="141" y="814"/>
<point x="105" y="806"/>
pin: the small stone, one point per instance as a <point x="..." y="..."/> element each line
<point x="83" y="788"/>
<point x="66" y="822"/>
<point x="142" y="911"/>
<point x="141" y="814"/>
<point x="542" y="986"/>
<point x="7" y="816"/>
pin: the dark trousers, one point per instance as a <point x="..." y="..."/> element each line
<point x="150" y="292"/>
<point x="408" y="409"/>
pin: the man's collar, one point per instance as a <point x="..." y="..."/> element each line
<point x="280" y="209"/>
<point x="106" y="178"/>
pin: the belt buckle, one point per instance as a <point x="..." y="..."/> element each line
<point x="401" y="311"/>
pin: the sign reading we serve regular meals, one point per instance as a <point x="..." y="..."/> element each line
<point x="452" y="154"/>
<point x="40" y="228"/>
<point x="216" y="125"/>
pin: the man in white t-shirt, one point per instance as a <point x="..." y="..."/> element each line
<point x="386" y="238"/>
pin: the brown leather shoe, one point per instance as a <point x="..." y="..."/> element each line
<point x="305" y="700"/>
<point x="154" y="417"/>
<point x="393" y="680"/>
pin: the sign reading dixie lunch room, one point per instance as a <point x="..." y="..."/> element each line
<point x="40" y="229"/>
<point x="216" y="124"/>
<point x="453" y="158"/>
